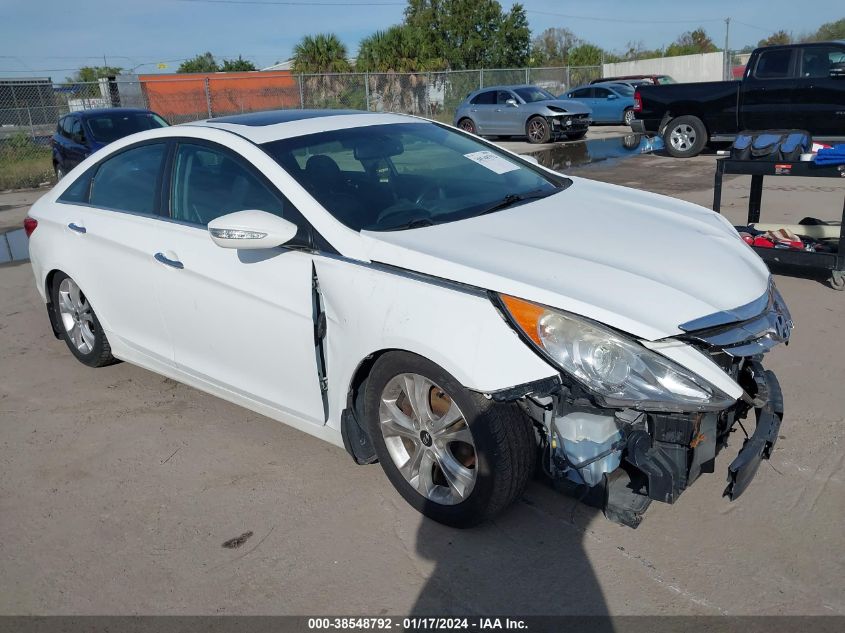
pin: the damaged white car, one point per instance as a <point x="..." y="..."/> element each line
<point x="424" y="299"/>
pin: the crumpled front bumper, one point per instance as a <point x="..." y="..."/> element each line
<point x="761" y="443"/>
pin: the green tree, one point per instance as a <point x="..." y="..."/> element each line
<point x="776" y="38"/>
<point x="830" y="31"/>
<point x="470" y="33"/>
<point x="236" y="65"/>
<point x="691" y="43"/>
<point x="203" y="63"/>
<point x="322" y="53"/>
<point x="93" y="73"/>
<point x="585" y="54"/>
<point x="396" y="49"/>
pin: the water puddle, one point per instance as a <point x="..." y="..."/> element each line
<point x="569" y="155"/>
<point x="14" y="246"/>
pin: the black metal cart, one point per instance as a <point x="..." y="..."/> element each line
<point x="757" y="169"/>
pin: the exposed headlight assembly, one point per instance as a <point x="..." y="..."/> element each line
<point x="616" y="369"/>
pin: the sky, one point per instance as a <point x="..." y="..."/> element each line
<point x="52" y="38"/>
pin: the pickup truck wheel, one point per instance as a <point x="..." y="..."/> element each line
<point x="454" y="455"/>
<point x="685" y="136"/>
<point x="538" y="130"/>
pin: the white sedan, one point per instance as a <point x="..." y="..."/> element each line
<point x="424" y="299"/>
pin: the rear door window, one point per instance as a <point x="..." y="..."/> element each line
<point x="601" y="93"/>
<point x="775" y="64"/>
<point x="129" y="180"/>
<point x="485" y="98"/>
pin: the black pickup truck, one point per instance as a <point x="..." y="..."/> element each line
<point x="798" y="86"/>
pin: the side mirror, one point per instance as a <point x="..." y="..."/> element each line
<point x="251" y="230"/>
<point x="512" y="103"/>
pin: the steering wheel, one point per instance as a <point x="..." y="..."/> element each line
<point x="411" y="212"/>
<point x="425" y="194"/>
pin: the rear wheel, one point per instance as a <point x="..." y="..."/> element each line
<point x="628" y="117"/>
<point x="685" y="136"/>
<point x="467" y="125"/>
<point x="454" y="455"/>
<point x="78" y="324"/>
<point x="538" y="130"/>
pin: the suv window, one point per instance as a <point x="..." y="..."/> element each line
<point x="484" y="98"/>
<point x="210" y="182"/>
<point x="76" y="131"/>
<point x="128" y="181"/>
<point x="817" y="61"/>
<point x="502" y="97"/>
<point x="773" y="64"/>
<point x="601" y="93"/>
<point x="66" y="124"/>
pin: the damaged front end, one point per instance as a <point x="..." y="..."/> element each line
<point x="620" y="458"/>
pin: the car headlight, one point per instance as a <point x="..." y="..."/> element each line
<point x="616" y="369"/>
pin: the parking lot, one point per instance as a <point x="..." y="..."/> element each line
<point x="118" y="486"/>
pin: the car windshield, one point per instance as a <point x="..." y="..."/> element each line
<point x="408" y="175"/>
<point x="533" y="94"/>
<point x="110" y="126"/>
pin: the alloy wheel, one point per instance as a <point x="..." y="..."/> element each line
<point x="683" y="137"/>
<point x="76" y="315"/>
<point x="467" y="126"/>
<point x="629" y="117"/>
<point x="428" y="438"/>
<point x="536" y="131"/>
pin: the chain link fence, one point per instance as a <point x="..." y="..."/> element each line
<point x="31" y="108"/>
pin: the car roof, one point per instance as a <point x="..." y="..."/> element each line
<point x="101" y="111"/>
<point x="506" y="87"/>
<point x="273" y="125"/>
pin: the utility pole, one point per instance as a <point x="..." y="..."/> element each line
<point x="727" y="69"/>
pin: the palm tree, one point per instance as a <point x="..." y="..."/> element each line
<point x="322" y="53"/>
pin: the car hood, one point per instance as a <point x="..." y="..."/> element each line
<point x="571" y="107"/>
<point x="639" y="262"/>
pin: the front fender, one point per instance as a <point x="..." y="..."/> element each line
<point x="371" y="308"/>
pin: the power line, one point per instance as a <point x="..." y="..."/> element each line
<point x="608" y="19"/>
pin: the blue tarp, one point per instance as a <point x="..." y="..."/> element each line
<point x="833" y="156"/>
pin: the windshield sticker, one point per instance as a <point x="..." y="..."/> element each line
<point x="491" y="161"/>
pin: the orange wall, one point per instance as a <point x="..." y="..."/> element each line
<point x="182" y="97"/>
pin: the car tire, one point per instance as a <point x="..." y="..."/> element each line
<point x="77" y="323"/>
<point x="628" y="116"/>
<point x="489" y="444"/>
<point x="60" y="172"/>
<point x="467" y="125"/>
<point x="576" y="136"/>
<point x="685" y="136"/>
<point x="538" y="130"/>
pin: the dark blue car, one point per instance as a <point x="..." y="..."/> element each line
<point x="80" y="134"/>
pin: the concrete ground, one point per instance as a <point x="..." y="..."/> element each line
<point x="118" y="487"/>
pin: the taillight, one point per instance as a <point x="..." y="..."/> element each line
<point x="29" y="225"/>
<point x="638" y="102"/>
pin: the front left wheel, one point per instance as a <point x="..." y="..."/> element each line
<point x="454" y="455"/>
<point x="78" y="324"/>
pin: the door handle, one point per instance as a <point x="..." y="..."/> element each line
<point x="77" y="228"/>
<point x="173" y="263"/>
